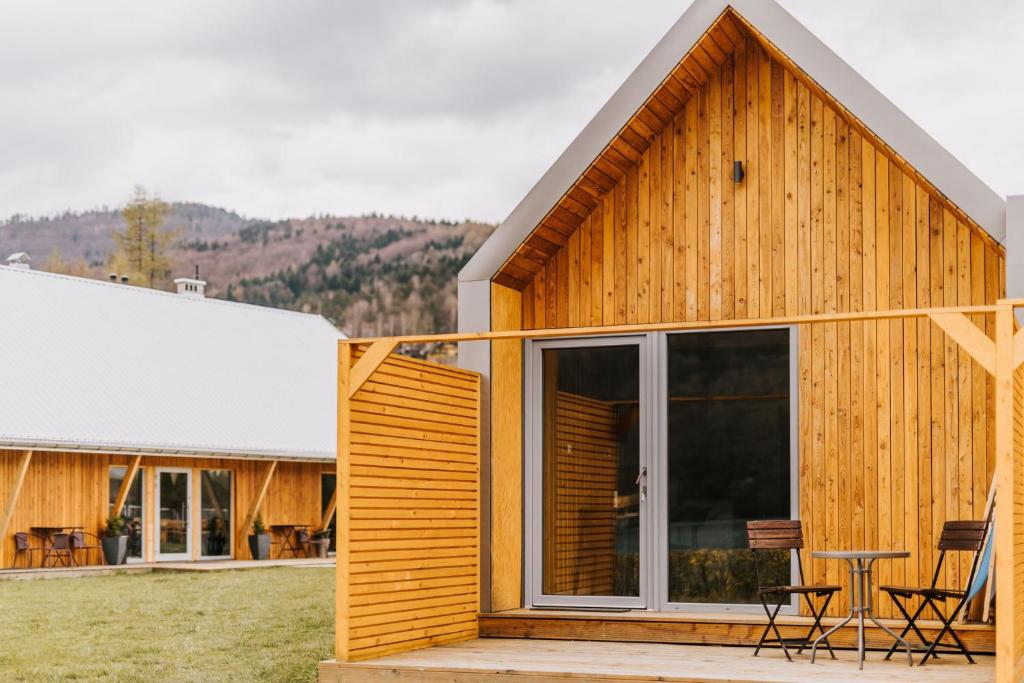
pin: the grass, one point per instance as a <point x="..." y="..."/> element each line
<point x="270" y="624"/>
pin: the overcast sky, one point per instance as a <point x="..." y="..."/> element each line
<point x="443" y="108"/>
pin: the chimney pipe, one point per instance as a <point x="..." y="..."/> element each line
<point x="124" y="279"/>
<point x="113" y="277"/>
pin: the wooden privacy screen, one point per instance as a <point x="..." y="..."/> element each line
<point x="583" y="464"/>
<point x="408" y="507"/>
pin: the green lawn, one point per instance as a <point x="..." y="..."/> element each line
<point x="270" y="624"/>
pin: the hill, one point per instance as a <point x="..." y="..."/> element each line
<point x="367" y="274"/>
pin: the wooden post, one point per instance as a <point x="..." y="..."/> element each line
<point x="126" y="485"/>
<point x="12" y="498"/>
<point x="343" y="490"/>
<point x="329" y="512"/>
<point x="261" y="493"/>
<point x="1005" y="468"/>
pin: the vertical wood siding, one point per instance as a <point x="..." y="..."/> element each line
<point x="408" y="511"/>
<point x="73" y="488"/>
<point x="896" y="421"/>
<point x="1018" y="520"/>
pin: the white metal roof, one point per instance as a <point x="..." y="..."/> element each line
<point x="98" y="366"/>
<point x="783" y="30"/>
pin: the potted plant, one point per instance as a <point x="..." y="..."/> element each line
<point x="322" y="540"/>
<point x="114" y="540"/>
<point x="259" y="540"/>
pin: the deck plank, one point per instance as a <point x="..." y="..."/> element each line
<point x="553" y="660"/>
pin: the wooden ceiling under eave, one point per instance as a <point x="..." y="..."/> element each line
<point x="625" y="149"/>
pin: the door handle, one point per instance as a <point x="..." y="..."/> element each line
<point x="642" y="477"/>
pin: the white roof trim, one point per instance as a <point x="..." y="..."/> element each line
<point x="877" y="112"/>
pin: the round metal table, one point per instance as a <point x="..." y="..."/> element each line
<point x="860" y="563"/>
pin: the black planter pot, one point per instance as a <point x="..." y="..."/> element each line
<point x="115" y="549"/>
<point x="259" y="546"/>
<point x="322" y="546"/>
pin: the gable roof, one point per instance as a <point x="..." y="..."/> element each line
<point x="105" y="367"/>
<point x="581" y="162"/>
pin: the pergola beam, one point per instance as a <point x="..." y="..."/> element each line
<point x="970" y="338"/>
<point x="12" y="498"/>
<point x="261" y="493"/>
<point x="369" y="362"/>
<point x="329" y="512"/>
<point x="126" y="485"/>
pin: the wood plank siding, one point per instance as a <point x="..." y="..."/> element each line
<point x="73" y="488"/>
<point x="408" y="507"/>
<point x="896" y="422"/>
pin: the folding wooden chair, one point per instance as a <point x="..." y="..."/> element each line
<point x="962" y="536"/>
<point x="786" y="534"/>
<point x="23" y="547"/>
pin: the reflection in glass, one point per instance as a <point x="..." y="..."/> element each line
<point x="728" y="459"/>
<point x="591" y="452"/>
<point x="173" y="506"/>
<point x="132" y="510"/>
<point x="215" y="511"/>
<point x="328" y="482"/>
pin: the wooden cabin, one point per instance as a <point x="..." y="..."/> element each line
<point x="190" y="415"/>
<point x="751" y="288"/>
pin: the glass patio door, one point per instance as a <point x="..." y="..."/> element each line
<point x="587" y="505"/>
<point x="173" y="514"/>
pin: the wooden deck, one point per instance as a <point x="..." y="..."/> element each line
<point x="548" y="661"/>
<point x="694" y="628"/>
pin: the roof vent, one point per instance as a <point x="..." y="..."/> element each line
<point x="19" y="260"/>
<point x="191" y="287"/>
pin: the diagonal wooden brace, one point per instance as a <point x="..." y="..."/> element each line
<point x="370" y="361"/>
<point x="970" y="338"/>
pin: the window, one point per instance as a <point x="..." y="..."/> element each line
<point x="728" y="459"/>
<point x="215" y="511"/>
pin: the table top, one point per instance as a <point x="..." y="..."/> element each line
<point x="62" y="527"/>
<point x="287" y="526"/>
<point x="860" y="554"/>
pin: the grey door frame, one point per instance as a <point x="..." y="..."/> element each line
<point x="653" y="368"/>
<point x="533" y="473"/>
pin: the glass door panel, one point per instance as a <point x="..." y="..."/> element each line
<point x="590" y="437"/>
<point x="215" y="512"/>
<point x="174" y="499"/>
<point x="132" y="510"/>
<point x="729" y="460"/>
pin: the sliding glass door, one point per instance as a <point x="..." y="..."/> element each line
<point x="590" y="434"/>
<point x="173" y="514"/>
<point x="646" y="457"/>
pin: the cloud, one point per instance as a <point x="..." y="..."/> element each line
<point x="448" y="108"/>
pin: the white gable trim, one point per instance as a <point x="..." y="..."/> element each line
<point x="823" y="65"/>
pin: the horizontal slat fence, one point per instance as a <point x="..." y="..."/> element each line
<point x="408" y="507"/>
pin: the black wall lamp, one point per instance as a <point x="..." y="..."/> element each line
<point x="737" y="172"/>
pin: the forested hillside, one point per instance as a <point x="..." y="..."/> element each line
<point x="367" y="274"/>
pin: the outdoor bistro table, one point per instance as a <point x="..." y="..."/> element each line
<point x="860" y="562"/>
<point x="49" y="532"/>
<point x="289" y="538"/>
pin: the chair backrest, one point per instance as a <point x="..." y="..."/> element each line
<point x="775" y="534"/>
<point x="961" y="535"/>
<point x="60" y="541"/>
<point x="76" y="539"/>
<point x="302" y="535"/>
<point x="20" y="540"/>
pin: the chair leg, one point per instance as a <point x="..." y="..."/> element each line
<point x="771" y="626"/>
<point x="947" y="627"/>
<point x="911" y="624"/>
<point x="817" y="623"/>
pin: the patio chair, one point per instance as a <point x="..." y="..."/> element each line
<point x="786" y="534"/>
<point x="23" y="547"/>
<point x="78" y="541"/>
<point x="59" y="550"/>
<point x="959" y="536"/>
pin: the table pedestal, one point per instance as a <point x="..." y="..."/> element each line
<point x="860" y="605"/>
